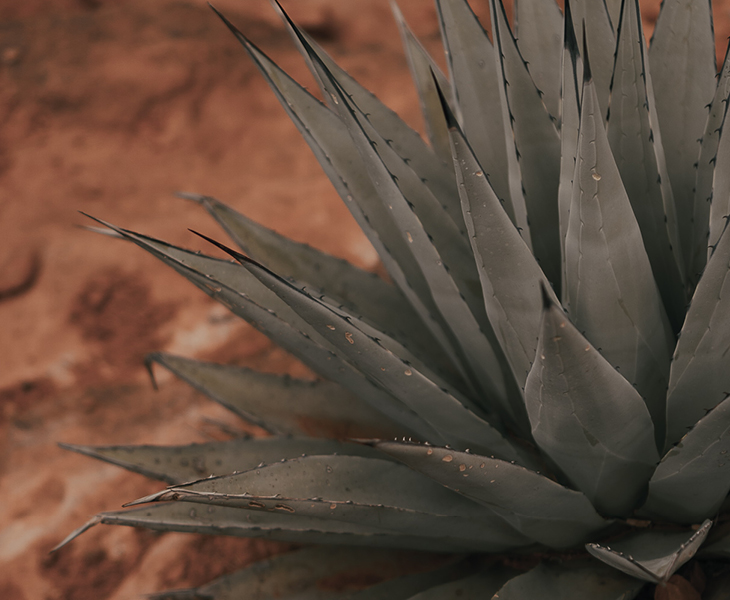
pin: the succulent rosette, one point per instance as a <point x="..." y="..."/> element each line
<point x="539" y="391"/>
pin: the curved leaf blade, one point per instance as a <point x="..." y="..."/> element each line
<point x="570" y="582"/>
<point x="286" y="333"/>
<point x="185" y="517"/>
<point x="539" y="33"/>
<point x="448" y="412"/>
<point x="536" y="143"/>
<point x="477" y="97"/>
<point x="704" y="189"/>
<point x="286" y="576"/>
<point x="508" y="271"/>
<point x="179" y="464"/>
<point x="693" y="479"/>
<point x="365" y="491"/>
<point x="699" y="378"/>
<point x="636" y="142"/>
<point x="612" y="297"/>
<point x="535" y="505"/>
<point x="329" y="140"/>
<point x="683" y="70"/>
<point x="588" y="419"/>
<point x="652" y="556"/>
<point x="359" y="292"/>
<point x="279" y="403"/>
<point x="406" y="143"/>
<point x="423" y="70"/>
<point x="592" y="23"/>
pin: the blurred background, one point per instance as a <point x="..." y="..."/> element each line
<point x="108" y="107"/>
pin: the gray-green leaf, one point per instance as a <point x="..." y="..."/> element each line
<point x="179" y="464"/>
<point x="588" y="419"/>
<point x="699" y="378"/>
<point x="536" y="143"/>
<point x="693" y="479"/>
<point x="704" y="188"/>
<point x="611" y="295"/>
<point x="683" y="69"/>
<point x="636" y="144"/>
<point x="282" y="404"/>
<point x="570" y="581"/>
<point x="535" y="505"/>
<point x="651" y="555"/>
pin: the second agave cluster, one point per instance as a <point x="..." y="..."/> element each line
<point x="550" y="353"/>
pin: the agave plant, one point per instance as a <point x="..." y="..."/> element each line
<point x="543" y="379"/>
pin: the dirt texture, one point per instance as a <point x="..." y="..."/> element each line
<point x="108" y="107"/>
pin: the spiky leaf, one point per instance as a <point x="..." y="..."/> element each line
<point x="588" y="419"/>
<point x="535" y="505"/>
<point x="651" y="555"/>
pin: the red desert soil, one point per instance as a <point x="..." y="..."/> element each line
<point x="107" y="107"/>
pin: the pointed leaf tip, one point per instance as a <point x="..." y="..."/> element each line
<point x="149" y="360"/>
<point x="569" y="40"/>
<point x="234" y="253"/>
<point x="197" y="198"/>
<point x="451" y="122"/>
<point x="587" y="74"/>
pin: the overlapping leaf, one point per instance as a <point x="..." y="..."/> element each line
<point x="306" y="345"/>
<point x="186" y="517"/>
<point x="588" y="419"/>
<point x="289" y="575"/>
<point x="536" y="143"/>
<point x="508" y="271"/>
<point x="704" y="189"/>
<point x="535" y="505"/>
<point x="682" y="57"/>
<point x="279" y="403"/>
<point x="538" y="29"/>
<point x="331" y="143"/>
<point x="477" y="91"/>
<point x="699" y="378"/>
<point x="407" y="144"/>
<point x="451" y="414"/>
<point x="423" y="70"/>
<point x="693" y="479"/>
<point x="571" y="89"/>
<point x="611" y="295"/>
<point x="652" y="555"/>
<point x="570" y="582"/>
<point x="592" y="23"/>
<point x="179" y="464"/>
<point x="359" y="292"/>
<point x="365" y="491"/>
<point x="636" y="143"/>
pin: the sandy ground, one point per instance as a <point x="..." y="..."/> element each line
<point x="107" y="107"/>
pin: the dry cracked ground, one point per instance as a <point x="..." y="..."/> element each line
<point x="108" y="107"/>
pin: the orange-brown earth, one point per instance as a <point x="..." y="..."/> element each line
<point x="107" y="107"/>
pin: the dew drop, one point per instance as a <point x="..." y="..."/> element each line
<point x="447" y="458"/>
<point x="429" y="451"/>
<point x="596" y="176"/>
<point x="332" y="327"/>
<point x="409" y="236"/>
<point x="333" y="506"/>
<point x="193" y="514"/>
<point x="462" y="467"/>
<point x="408" y="372"/>
<point x="479" y="174"/>
<point x="348" y="337"/>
